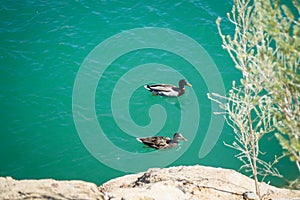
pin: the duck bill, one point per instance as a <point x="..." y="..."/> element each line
<point x="184" y="139"/>
<point x="188" y="84"/>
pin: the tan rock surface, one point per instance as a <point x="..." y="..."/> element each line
<point x="174" y="183"/>
<point x="190" y="182"/>
<point x="47" y="189"/>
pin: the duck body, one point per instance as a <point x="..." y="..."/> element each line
<point x="160" y="142"/>
<point x="167" y="89"/>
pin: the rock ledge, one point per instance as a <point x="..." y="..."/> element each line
<point x="176" y="183"/>
<point x="191" y="182"/>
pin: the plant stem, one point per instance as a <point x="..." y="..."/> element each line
<point x="253" y="145"/>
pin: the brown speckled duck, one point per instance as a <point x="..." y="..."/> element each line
<point x="168" y="90"/>
<point x="160" y="142"/>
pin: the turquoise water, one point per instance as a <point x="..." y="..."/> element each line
<point x="44" y="43"/>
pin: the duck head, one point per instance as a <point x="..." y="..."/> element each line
<point x="183" y="83"/>
<point x="178" y="136"/>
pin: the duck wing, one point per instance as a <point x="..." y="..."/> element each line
<point x="157" y="142"/>
<point x="175" y="92"/>
<point x="159" y="87"/>
<point x="164" y="90"/>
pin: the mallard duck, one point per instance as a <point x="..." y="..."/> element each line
<point x="160" y="142"/>
<point x="168" y="90"/>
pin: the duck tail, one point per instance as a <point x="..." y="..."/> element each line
<point x="139" y="139"/>
<point x="147" y="87"/>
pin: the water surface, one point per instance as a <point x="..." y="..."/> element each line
<point x="43" y="44"/>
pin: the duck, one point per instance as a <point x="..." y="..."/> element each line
<point x="167" y="89"/>
<point x="161" y="142"/>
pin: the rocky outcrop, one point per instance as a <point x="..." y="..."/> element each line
<point x="11" y="189"/>
<point x="191" y="182"/>
<point x="174" y="183"/>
